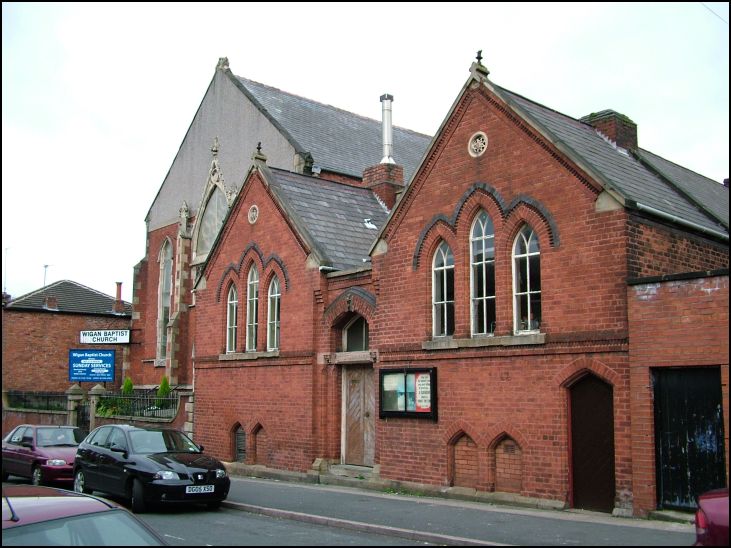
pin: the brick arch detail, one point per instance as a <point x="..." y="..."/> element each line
<point x="439" y="228"/>
<point x="521" y="215"/>
<point x="576" y="369"/>
<point x="354" y="299"/>
<point x="252" y="252"/>
<point x="499" y="432"/>
<point x="456" y="430"/>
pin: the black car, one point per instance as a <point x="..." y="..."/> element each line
<point x="148" y="465"/>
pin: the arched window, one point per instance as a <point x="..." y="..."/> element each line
<point x="164" y="297"/>
<point x="215" y="211"/>
<point x="273" y="315"/>
<point x="443" y="291"/>
<point x="527" y="281"/>
<point x="355" y="335"/>
<point x="252" y="309"/>
<point x="482" y="256"/>
<point x="231" y="322"/>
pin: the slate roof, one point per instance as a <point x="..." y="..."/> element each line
<point x="332" y="216"/>
<point x="627" y="175"/>
<point x="71" y="297"/>
<point x="705" y="192"/>
<point x="338" y="140"/>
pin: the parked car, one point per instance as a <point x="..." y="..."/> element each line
<point x="45" y="516"/>
<point x="711" y="519"/>
<point x="43" y="453"/>
<point x="147" y="465"/>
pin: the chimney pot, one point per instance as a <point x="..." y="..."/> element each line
<point x="118" y="303"/>
<point x="387" y="126"/>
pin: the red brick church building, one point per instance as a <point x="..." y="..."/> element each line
<point x="515" y="305"/>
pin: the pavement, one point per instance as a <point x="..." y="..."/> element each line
<point x="441" y="516"/>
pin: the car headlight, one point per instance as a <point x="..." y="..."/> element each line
<point x="220" y="473"/>
<point x="166" y="475"/>
<point x="55" y="462"/>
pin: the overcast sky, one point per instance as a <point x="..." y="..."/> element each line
<point x="98" y="97"/>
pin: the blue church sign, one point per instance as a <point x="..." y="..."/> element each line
<point x="91" y="365"/>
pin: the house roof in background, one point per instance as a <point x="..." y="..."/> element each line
<point x="71" y="297"/>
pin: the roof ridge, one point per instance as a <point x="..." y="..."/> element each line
<point x="683" y="167"/>
<point x="35" y="291"/>
<point x="331" y="106"/>
<point x="577" y="120"/>
<point x="59" y="282"/>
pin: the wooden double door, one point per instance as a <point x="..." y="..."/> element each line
<point x="359" y="415"/>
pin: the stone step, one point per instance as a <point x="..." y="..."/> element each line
<point x="351" y="471"/>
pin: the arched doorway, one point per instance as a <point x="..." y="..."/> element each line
<point x="592" y="444"/>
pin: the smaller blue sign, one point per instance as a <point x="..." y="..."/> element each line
<point x="91" y="365"/>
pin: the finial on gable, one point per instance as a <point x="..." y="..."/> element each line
<point x="215" y="147"/>
<point x="478" y="70"/>
<point x="222" y="63"/>
<point x="259" y="155"/>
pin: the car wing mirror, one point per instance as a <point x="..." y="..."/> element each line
<point x="119" y="449"/>
<point x="27" y="441"/>
<point x="201" y="448"/>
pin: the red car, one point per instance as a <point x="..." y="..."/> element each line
<point x="44" y="516"/>
<point x="42" y="453"/>
<point x="711" y="519"/>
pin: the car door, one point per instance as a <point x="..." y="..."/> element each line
<point x="112" y="461"/>
<point x="26" y="452"/>
<point x="11" y="451"/>
<point x="88" y="456"/>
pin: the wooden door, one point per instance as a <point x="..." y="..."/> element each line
<point x="360" y="407"/>
<point x="689" y="434"/>
<point x="592" y="444"/>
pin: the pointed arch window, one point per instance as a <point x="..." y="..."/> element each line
<point x="443" y="291"/>
<point x="252" y="309"/>
<point x="164" y="298"/>
<point x="355" y="335"/>
<point x="273" y="315"/>
<point x="231" y="322"/>
<point x="482" y="258"/>
<point x="213" y="215"/>
<point x="527" y="281"/>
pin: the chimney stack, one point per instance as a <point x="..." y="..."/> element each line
<point x="386" y="179"/>
<point x="387" y="125"/>
<point x="615" y="126"/>
<point x="118" y="303"/>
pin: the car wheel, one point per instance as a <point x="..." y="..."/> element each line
<point x="80" y="483"/>
<point x="138" y="497"/>
<point x="35" y="476"/>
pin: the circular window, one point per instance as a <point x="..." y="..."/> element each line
<point x="253" y="214"/>
<point x="478" y="144"/>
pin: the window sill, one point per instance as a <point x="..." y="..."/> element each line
<point x="449" y="343"/>
<point x="339" y="358"/>
<point x="238" y="356"/>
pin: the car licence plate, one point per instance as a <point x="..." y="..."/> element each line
<point x="200" y="489"/>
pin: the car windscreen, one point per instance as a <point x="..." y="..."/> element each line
<point x="161" y="441"/>
<point x="96" y="529"/>
<point x="58" y="437"/>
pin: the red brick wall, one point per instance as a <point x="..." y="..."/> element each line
<point x="145" y="303"/>
<point x="674" y="323"/>
<point x="508" y="467"/>
<point x="490" y="393"/>
<point x="465" y="463"/>
<point x="655" y="250"/>
<point x="36" y="348"/>
<point x="271" y="397"/>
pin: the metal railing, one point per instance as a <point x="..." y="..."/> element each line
<point x="139" y="404"/>
<point x="42" y="401"/>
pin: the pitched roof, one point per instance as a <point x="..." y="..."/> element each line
<point x="71" y="297"/>
<point x="338" y="140"/>
<point x="623" y="173"/>
<point x="339" y="220"/>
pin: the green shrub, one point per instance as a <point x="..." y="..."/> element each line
<point x="163" y="392"/>
<point x="128" y="388"/>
